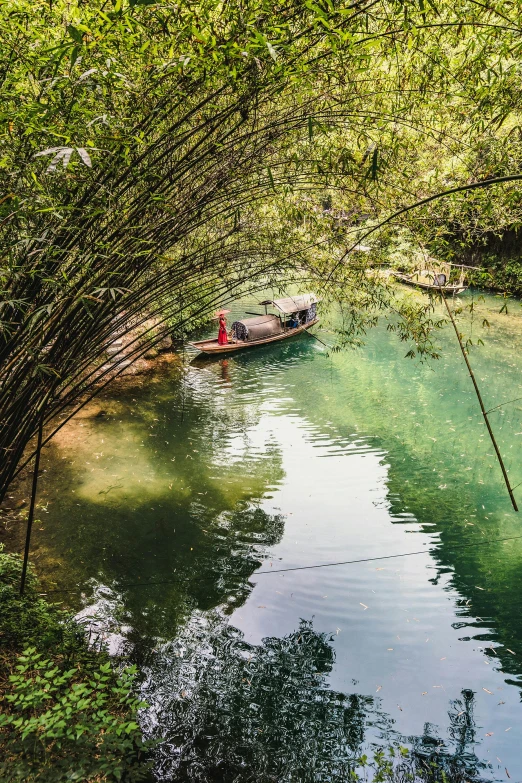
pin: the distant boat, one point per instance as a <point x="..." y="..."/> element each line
<point x="296" y="314"/>
<point x="435" y="280"/>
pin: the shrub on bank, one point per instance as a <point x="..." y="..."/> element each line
<point x="498" y="273"/>
<point x="65" y="713"/>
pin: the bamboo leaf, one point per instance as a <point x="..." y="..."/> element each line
<point x="272" y="51"/>
<point x="60" y="155"/>
<point x="48" y="151"/>
<point x="375" y="157"/>
<point x="84" y="155"/>
<point x="271" y="178"/>
<point x="86" y="74"/>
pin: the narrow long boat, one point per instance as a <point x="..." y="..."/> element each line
<point x="431" y="281"/>
<point x="296" y="314"/>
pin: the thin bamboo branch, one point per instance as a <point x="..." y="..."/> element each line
<point x="480" y="402"/>
<point x="32" y="506"/>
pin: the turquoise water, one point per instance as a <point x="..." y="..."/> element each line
<point x="173" y="506"/>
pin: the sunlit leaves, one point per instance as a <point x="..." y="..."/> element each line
<point x="63" y="155"/>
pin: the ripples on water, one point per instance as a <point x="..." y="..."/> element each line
<point x="184" y="496"/>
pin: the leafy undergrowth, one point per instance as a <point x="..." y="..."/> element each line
<point x="498" y="273"/>
<point x="65" y="713"/>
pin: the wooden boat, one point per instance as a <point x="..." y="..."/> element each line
<point x="267" y="328"/>
<point x="435" y="281"/>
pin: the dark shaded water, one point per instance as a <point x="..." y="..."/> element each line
<point x="173" y="509"/>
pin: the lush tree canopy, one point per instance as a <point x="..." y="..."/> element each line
<point x="157" y="157"/>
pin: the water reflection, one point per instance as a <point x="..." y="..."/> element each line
<point x="224" y="365"/>
<point x="163" y="509"/>
<point x="226" y="710"/>
<point x="162" y="486"/>
<point x="206" y="565"/>
<point x="175" y="496"/>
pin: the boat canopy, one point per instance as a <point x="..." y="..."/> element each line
<point x="292" y="304"/>
<point x="257" y="328"/>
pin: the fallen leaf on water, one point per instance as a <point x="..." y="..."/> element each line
<point x="485" y="689"/>
<point x="363" y="605"/>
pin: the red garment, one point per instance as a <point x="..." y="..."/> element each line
<point x="222" y="336"/>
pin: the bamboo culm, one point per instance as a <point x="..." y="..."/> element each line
<point x="32" y="506"/>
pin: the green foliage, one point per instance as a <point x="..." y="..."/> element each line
<point x="72" y="724"/>
<point x="65" y="714"/>
<point x="498" y="272"/>
<point x="30" y="619"/>
<point x="155" y="155"/>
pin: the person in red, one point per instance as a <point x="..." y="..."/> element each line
<point x="222" y="336"/>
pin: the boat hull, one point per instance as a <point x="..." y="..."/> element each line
<point x="212" y="347"/>
<point x="447" y="289"/>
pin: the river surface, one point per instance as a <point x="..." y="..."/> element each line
<point x="178" y="505"/>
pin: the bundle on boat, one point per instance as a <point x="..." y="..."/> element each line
<point x="256" y="328"/>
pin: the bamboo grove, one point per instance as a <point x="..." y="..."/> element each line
<point x="158" y="157"/>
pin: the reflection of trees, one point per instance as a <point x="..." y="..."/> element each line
<point x="201" y="569"/>
<point x="431" y="756"/>
<point x="428" y="470"/>
<point x="192" y="534"/>
<point x="225" y="710"/>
